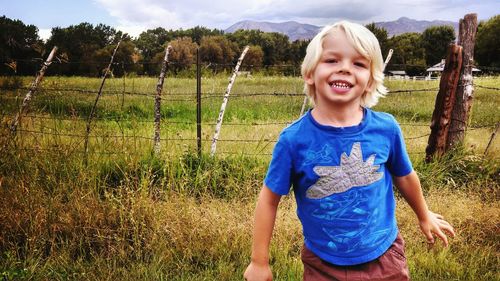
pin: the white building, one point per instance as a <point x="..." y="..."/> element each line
<point x="438" y="68"/>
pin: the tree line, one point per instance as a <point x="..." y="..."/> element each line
<point x="85" y="49"/>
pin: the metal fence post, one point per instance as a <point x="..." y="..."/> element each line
<point x="198" y="101"/>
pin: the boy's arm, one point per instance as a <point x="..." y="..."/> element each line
<point x="430" y="223"/>
<point x="264" y="218"/>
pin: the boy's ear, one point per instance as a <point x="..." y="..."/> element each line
<point x="370" y="85"/>
<point x="309" y="79"/>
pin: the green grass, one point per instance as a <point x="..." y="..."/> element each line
<point x="132" y="216"/>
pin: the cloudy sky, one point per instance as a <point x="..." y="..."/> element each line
<point x="135" y="16"/>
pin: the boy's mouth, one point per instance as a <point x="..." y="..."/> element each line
<point x="340" y="84"/>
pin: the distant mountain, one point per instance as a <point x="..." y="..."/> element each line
<point x="293" y="29"/>
<point x="405" y="24"/>
<point x="296" y="30"/>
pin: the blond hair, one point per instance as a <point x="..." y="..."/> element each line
<point x="365" y="43"/>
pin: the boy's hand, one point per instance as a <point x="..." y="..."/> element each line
<point x="258" y="272"/>
<point x="435" y="224"/>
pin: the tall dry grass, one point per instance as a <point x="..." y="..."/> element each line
<point x="57" y="224"/>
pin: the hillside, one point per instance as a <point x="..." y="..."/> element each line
<point x="295" y="30"/>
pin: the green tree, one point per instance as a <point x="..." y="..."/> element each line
<point x="150" y="43"/>
<point x="78" y="43"/>
<point x="217" y="49"/>
<point x="254" y="58"/>
<point x="382" y="37"/>
<point x="487" y="48"/>
<point x="210" y="51"/>
<point x="298" y="51"/>
<point x="435" y="41"/>
<point x="198" y="32"/>
<point x="246" y="37"/>
<point x="125" y="60"/>
<point x="408" y="53"/>
<point x="181" y="57"/>
<point x="275" y="45"/>
<point x="20" y="46"/>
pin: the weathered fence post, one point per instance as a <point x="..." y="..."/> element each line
<point x="388" y="58"/>
<point x="465" y="88"/>
<point x="304" y="103"/>
<point x="159" y="88"/>
<point x="31" y="92"/>
<point x="198" y="101"/>
<point x="492" y="138"/>
<point x="92" y="111"/>
<point x="445" y="100"/>
<point x="224" y="102"/>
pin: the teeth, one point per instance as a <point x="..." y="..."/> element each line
<point x="341" y="85"/>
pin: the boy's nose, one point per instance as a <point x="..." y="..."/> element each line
<point x="344" y="67"/>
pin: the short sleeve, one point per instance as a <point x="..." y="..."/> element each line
<point x="279" y="174"/>
<point x="399" y="163"/>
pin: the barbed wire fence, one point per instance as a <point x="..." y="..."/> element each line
<point x="53" y="132"/>
<point x="45" y="132"/>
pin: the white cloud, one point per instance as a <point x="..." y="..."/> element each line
<point x="135" y="16"/>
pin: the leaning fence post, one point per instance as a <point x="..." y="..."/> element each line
<point x="224" y="102"/>
<point x="492" y="138"/>
<point x="92" y="111"/>
<point x="465" y="88"/>
<point x="31" y="92"/>
<point x="445" y="100"/>
<point x="159" y="88"/>
<point x="388" y="58"/>
<point x="303" y="108"/>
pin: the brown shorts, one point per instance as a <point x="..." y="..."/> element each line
<point x="390" y="266"/>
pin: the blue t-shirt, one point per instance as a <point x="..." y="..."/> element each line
<point x="341" y="178"/>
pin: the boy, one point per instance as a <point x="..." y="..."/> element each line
<point x="342" y="159"/>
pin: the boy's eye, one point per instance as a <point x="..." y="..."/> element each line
<point x="330" y="60"/>
<point x="360" y="64"/>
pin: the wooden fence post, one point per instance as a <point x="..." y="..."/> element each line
<point x="304" y="103"/>
<point x="465" y="88"/>
<point x="224" y="102"/>
<point x="92" y="111"/>
<point x="159" y="88"/>
<point x="492" y="138"/>
<point x="31" y="92"/>
<point x="388" y="58"/>
<point x="445" y="100"/>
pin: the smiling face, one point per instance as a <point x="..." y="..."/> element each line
<point x="342" y="75"/>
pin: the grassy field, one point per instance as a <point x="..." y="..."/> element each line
<point x="132" y="216"/>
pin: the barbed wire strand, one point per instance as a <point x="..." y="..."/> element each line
<point x="105" y="136"/>
<point x="204" y="63"/>
<point x="485" y="87"/>
<point x="166" y="121"/>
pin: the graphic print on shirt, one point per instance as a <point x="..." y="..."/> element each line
<point x="348" y="225"/>
<point x="344" y="217"/>
<point x="351" y="172"/>
<point x="325" y="155"/>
